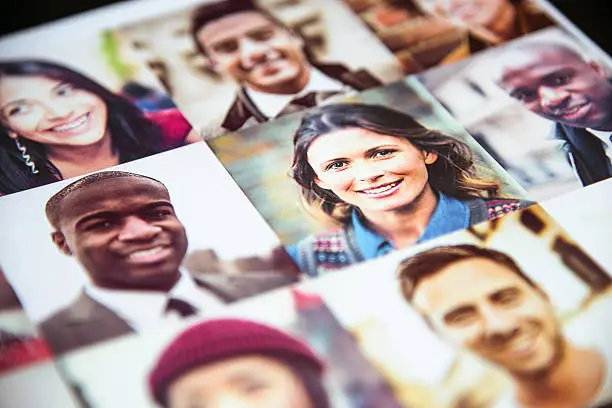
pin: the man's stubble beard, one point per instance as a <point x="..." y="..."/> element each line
<point x="560" y="346"/>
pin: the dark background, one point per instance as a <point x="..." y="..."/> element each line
<point x="591" y="16"/>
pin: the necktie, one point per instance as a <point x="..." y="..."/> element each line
<point x="181" y="307"/>
<point x="309" y="100"/>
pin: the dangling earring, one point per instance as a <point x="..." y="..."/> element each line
<point x="26" y="157"/>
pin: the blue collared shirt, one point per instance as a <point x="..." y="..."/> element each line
<point x="450" y="215"/>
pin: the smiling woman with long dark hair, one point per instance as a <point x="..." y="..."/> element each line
<point x="387" y="181"/>
<point x="56" y="123"/>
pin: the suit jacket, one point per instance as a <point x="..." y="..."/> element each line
<point x="585" y="152"/>
<point x="243" y="109"/>
<point x="87" y="321"/>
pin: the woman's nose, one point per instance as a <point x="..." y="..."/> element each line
<point x="367" y="172"/>
<point x="58" y="111"/>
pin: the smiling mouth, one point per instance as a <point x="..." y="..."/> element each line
<point x="521" y="347"/>
<point x="269" y="65"/>
<point x="381" y="191"/>
<point x="569" y="111"/>
<point x="75" y="124"/>
<point x="150" y="255"/>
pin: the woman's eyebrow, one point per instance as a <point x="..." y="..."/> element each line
<point x="60" y="84"/>
<point x="378" y="147"/>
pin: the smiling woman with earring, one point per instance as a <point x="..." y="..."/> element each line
<point x="56" y="123"/>
<point x="387" y="181"/>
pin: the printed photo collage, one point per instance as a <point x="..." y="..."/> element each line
<point x="306" y="204"/>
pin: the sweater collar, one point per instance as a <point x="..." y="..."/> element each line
<point x="450" y="215"/>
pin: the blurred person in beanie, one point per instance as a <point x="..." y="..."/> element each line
<point x="234" y="363"/>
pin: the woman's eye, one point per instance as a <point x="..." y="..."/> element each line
<point x="335" y="165"/>
<point x="15" y="110"/>
<point x="65" y="90"/>
<point x="383" y="153"/>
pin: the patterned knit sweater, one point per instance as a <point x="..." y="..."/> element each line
<point x="335" y="249"/>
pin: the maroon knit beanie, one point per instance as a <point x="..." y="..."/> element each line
<point x="216" y="340"/>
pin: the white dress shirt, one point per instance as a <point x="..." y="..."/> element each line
<point x="272" y="104"/>
<point x="604" y="136"/>
<point x="145" y="309"/>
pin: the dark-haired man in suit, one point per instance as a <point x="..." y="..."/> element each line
<point x="123" y="230"/>
<point x="557" y="83"/>
<point x="271" y="63"/>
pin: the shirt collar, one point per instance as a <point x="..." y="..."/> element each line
<point x="450" y="215"/>
<point x="603" y="135"/>
<point x="272" y="104"/>
<point x="140" y="308"/>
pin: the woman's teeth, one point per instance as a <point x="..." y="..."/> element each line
<point x="382" y="189"/>
<point x="71" y="125"/>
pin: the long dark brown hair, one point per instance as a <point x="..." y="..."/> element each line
<point x="133" y="135"/>
<point x="453" y="173"/>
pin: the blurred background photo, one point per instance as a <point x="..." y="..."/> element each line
<point x="49" y="383"/>
<point x="20" y="345"/>
<point x="423" y="34"/>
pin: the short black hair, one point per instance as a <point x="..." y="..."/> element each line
<point x="54" y="204"/>
<point x="214" y="11"/>
<point x="413" y="270"/>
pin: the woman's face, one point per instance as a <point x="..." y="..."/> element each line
<point x="240" y="382"/>
<point x="369" y="170"/>
<point x="51" y="112"/>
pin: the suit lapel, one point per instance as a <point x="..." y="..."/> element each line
<point x="241" y="111"/>
<point x="591" y="150"/>
<point x="90" y="321"/>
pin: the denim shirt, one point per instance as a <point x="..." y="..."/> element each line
<point x="450" y="215"/>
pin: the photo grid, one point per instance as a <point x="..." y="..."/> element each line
<point x="266" y="203"/>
